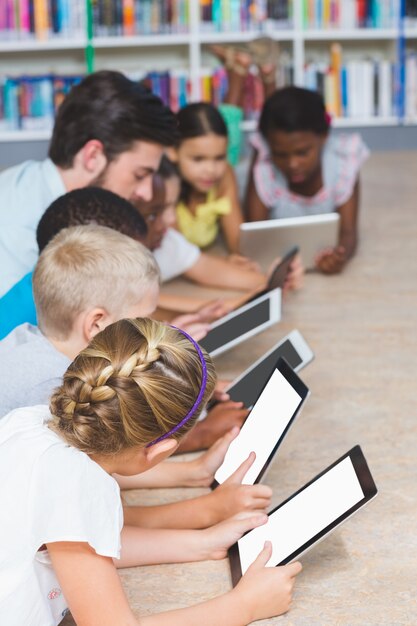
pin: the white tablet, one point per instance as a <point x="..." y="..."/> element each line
<point x="247" y="387"/>
<point x="244" y="322"/>
<point x="309" y="515"/>
<point x="265" y="240"/>
<point x="266" y="425"/>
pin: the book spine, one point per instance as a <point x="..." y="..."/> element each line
<point x="41" y="19"/>
<point x="128" y="17"/>
<point x="24" y="17"/>
<point x="335" y="65"/>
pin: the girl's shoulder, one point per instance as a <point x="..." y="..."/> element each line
<point x="343" y="157"/>
<point x="227" y="183"/>
<point x="261" y="146"/>
<point x="347" y="147"/>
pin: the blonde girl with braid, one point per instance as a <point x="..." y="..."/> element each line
<point x="124" y="404"/>
<point x="86" y="278"/>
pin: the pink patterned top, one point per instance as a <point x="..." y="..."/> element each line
<point x="342" y="158"/>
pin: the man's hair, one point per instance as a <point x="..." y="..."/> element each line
<point x="294" y="109"/>
<point x="90" y="205"/>
<point x="167" y="169"/>
<point x="85" y="267"/>
<point x="135" y="381"/>
<point x="113" y="109"/>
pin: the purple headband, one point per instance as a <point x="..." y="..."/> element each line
<point x="200" y="393"/>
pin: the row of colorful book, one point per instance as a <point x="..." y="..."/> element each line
<point x="243" y="15"/>
<point x="31" y="102"/>
<point x="41" y="19"/>
<point x="351" y="88"/>
<point x="139" y="17"/>
<point x="360" y="88"/>
<point x="323" y="14"/>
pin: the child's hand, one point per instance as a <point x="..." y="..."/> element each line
<point x="220" y="419"/>
<point x="219" y="394"/>
<point x="331" y="260"/>
<point x="192" y="324"/>
<point x="212" y="311"/>
<point x="244" y="262"/>
<point x="218" y="539"/>
<point x="205" y="466"/>
<point x="266" y="591"/>
<point x="295" y="276"/>
<point x="232" y="497"/>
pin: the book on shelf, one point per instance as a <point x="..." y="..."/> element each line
<point x="31" y="102"/>
<point x="41" y="19"/>
<point x="411" y="86"/>
<point x="410" y="13"/>
<point x="354" y="88"/>
<point x="350" y="14"/>
<point x="245" y="15"/>
<point x="173" y="87"/>
<point x="139" y="17"/>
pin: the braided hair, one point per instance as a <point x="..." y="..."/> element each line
<point x="134" y="382"/>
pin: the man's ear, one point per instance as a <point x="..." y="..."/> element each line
<point x="93" y="158"/>
<point x="94" y="321"/>
<point x="161" y="450"/>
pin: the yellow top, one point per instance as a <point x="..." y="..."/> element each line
<point x="202" y="228"/>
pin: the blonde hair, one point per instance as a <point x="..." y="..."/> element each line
<point x="85" y="267"/>
<point x="135" y="381"/>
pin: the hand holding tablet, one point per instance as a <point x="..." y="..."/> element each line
<point x="267" y="424"/>
<point x="309" y="515"/>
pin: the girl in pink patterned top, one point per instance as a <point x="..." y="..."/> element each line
<point x="299" y="168"/>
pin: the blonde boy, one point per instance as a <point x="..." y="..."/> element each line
<point x="86" y="278"/>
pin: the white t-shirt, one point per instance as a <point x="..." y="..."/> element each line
<point x="176" y="255"/>
<point x="49" y="492"/>
<point x="26" y="191"/>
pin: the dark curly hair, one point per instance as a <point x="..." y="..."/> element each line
<point x="90" y="205"/>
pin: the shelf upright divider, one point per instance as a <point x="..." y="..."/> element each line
<point x="298" y="43"/>
<point x="89" y="48"/>
<point x="194" y="49"/>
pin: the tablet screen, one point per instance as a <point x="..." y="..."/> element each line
<point x="236" y="326"/>
<point x="250" y="386"/>
<point x="265" y="426"/>
<point x="305" y="515"/>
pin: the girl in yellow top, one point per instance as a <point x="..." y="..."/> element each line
<point x="209" y="199"/>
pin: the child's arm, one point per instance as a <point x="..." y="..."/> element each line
<point x="84" y="575"/>
<point x="230" y="223"/>
<point x="177" y="304"/>
<point x="219" y="420"/>
<point x="196" y="473"/>
<point x="254" y="207"/>
<point x="332" y="260"/>
<point x="215" y="271"/>
<point x="228" y="499"/>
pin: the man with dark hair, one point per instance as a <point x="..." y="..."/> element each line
<point x="109" y="132"/>
<point x="90" y="205"/>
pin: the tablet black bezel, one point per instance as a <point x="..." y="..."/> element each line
<point x="283" y="264"/>
<point x="244" y="308"/>
<point x="367" y="485"/>
<point x="302" y="390"/>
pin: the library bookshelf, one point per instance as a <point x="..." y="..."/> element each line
<point x="385" y="53"/>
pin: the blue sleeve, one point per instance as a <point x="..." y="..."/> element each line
<point x="17" y="306"/>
